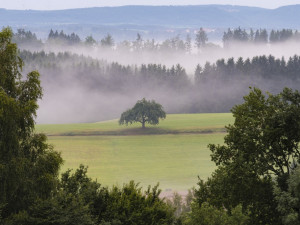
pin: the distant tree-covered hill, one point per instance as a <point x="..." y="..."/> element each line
<point x="177" y="16"/>
<point x="153" y="18"/>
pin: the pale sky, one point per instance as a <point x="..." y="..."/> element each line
<point x="68" y="4"/>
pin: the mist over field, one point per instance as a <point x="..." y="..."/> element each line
<point x="88" y="80"/>
<point x="156" y="55"/>
<point x="77" y="91"/>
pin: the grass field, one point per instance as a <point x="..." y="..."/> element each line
<point x="173" y="153"/>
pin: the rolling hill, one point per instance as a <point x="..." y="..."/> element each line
<point x="150" y="20"/>
<point x="214" y="16"/>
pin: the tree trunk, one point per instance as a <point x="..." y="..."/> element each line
<point x="143" y="122"/>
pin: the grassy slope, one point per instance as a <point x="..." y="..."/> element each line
<point x="174" y="123"/>
<point x="173" y="160"/>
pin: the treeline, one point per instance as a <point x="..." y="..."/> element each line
<point x="214" y="87"/>
<point x="267" y="67"/>
<point x="174" y="44"/>
<point x="22" y="37"/>
<point x="261" y="36"/>
<point x="99" y="74"/>
<point x="63" y="38"/>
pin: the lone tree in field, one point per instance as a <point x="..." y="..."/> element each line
<point x="144" y="112"/>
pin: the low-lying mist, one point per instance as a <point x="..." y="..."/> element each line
<point x="210" y="53"/>
<point x="88" y="86"/>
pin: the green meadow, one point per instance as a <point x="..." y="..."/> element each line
<point x="174" y="153"/>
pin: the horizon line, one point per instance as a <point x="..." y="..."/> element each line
<point x="118" y="6"/>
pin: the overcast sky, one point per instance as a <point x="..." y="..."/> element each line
<point x="67" y="4"/>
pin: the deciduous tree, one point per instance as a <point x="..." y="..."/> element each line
<point x="260" y="147"/>
<point x="265" y="134"/>
<point x="28" y="165"/>
<point x="143" y="112"/>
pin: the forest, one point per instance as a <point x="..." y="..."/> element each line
<point x="213" y="87"/>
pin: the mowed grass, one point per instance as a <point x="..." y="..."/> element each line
<point x="173" y="160"/>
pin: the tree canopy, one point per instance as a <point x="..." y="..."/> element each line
<point x="28" y="165"/>
<point x="265" y="134"/>
<point x="143" y="112"/>
<point x="289" y="199"/>
<point x="261" y="148"/>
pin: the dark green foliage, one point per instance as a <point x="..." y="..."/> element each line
<point x="143" y="112"/>
<point x="81" y="186"/>
<point x="75" y="200"/>
<point x="289" y="199"/>
<point x="209" y="215"/>
<point x="79" y="200"/>
<point x="232" y="185"/>
<point x="28" y="165"/>
<point x="130" y="205"/>
<point x="88" y="191"/>
<point x="61" y="209"/>
<point x="261" y="145"/>
<point x="265" y="134"/>
<point x="126" y="205"/>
